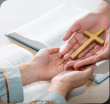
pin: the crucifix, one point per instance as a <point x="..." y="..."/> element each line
<point x="93" y="37"/>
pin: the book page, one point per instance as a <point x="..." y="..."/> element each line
<point x="102" y="71"/>
<point x="33" y="88"/>
<point x="50" y="28"/>
<point x="13" y="55"/>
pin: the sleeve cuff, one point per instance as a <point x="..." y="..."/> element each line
<point x="47" y="96"/>
<point x="15" y="86"/>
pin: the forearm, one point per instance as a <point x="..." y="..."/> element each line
<point x="60" y="88"/>
<point x="103" y="8"/>
<point x="55" y="95"/>
<point x="29" y="73"/>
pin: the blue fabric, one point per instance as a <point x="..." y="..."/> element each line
<point x="16" y="89"/>
<point x="53" y="97"/>
<point x="14" y="85"/>
<point x="2" y="84"/>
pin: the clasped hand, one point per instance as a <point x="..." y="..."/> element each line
<point x="66" y="75"/>
<point x="91" y="22"/>
<point x="48" y="64"/>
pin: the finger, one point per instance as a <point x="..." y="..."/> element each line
<point x="99" y="57"/>
<point x="89" y="54"/>
<point x="75" y="27"/>
<point x="86" y="51"/>
<point x="88" y="72"/>
<point x="67" y="56"/>
<point x="86" y="61"/>
<point x="80" y="37"/>
<point x="71" y="63"/>
<point x="74" y="48"/>
<point x="69" y="45"/>
<point x="53" y="50"/>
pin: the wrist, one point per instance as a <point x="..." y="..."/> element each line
<point x="29" y="73"/>
<point x="60" y="88"/>
<point x="103" y="8"/>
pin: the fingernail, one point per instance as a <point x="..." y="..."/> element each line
<point x="76" y="65"/>
<point x="98" y="59"/>
<point x="95" y="67"/>
<point x="66" y="57"/>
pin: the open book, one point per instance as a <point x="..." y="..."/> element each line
<point x="48" y="30"/>
<point x="45" y="32"/>
<point x="101" y="72"/>
<point x="15" y="55"/>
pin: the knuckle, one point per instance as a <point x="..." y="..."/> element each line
<point x="84" y="62"/>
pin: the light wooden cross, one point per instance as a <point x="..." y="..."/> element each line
<point x="93" y="37"/>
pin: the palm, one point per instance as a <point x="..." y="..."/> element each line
<point x="50" y="63"/>
<point x="90" y="22"/>
<point x="101" y="49"/>
<point x="74" y="78"/>
<point x="92" y="56"/>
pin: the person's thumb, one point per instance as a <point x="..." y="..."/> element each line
<point x="89" y="70"/>
<point x="53" y="50"/>
<point x="74" y="28"/>
<point x="99" y="57"/>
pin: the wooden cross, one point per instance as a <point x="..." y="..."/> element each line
<point x="93" y="37"/>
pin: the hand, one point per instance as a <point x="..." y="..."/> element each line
<point x="92" y="22"/>
<point x="49" y="63"/>
<point x="68" y="80"/>
<point x="97" y="54"/>
<point x="45" y="65"/>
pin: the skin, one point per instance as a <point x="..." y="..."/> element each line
<point x="64" y="82"/>
<point x="48" y="64"/>
<point x="92" y="22"/>
<point x="45" y="65"/>
<point x="98" y="53"/>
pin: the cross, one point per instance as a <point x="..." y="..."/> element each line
<point x="93" y="37"/>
